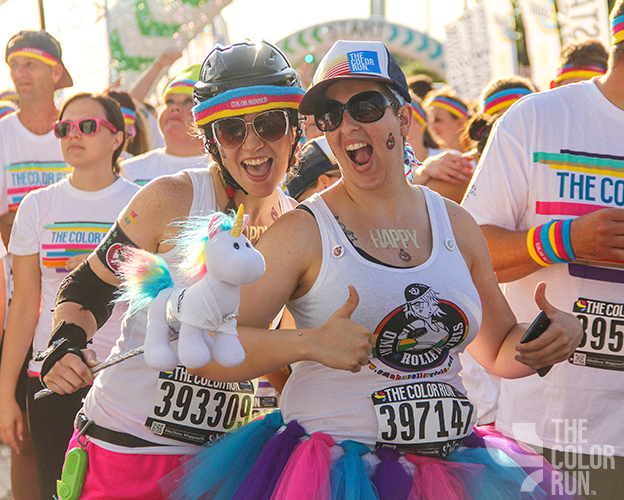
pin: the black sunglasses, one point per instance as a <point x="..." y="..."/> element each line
<point x="367" y="107"/>
<point x="270" y="126"/>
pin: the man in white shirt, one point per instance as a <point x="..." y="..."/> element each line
<point x="30" y="158"/>
<point x="549" y="196"/>
<point x="183" y="149"/>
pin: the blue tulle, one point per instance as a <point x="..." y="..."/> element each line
<point x="349" y="478"/>
<point x="220" y="469"/>
<point x="502" y="476"/>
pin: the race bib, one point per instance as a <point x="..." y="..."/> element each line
<point x="603" y="334"/>
<point x="195" y="410"/>
<point x="426" y="418"/>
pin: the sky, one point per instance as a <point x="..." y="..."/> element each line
<point x="256" y="19"/>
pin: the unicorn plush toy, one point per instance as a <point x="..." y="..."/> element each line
<point x="218" y="259"/>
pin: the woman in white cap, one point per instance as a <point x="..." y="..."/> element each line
<point x="414" y="270"/>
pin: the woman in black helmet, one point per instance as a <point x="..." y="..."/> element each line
<point x="137" y="421"/>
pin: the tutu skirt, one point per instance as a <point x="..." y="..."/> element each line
<point x="268" y="460"/>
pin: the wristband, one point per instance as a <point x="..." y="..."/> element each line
<point x="550" y="243"/>
<point x="66" y="338"/>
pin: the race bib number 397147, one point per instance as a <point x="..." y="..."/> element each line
<point x="426" y="418"/>
<point x="192" y="409"/>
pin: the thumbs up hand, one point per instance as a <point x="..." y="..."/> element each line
<point x="341" y="343"/>
<point x="559" y="340"/>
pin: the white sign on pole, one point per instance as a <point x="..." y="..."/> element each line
<point x="467" y="53"/>
<point x="542" y="39"/>
<point x="501" y="24"/>
<point x="581" y="19"/>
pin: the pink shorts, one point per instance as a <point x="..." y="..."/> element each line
<point x="121" y="476"/>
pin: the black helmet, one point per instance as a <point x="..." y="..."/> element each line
<point x="240" y="65"/>
<point x="244" y="64"/>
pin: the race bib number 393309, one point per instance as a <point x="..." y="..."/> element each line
<point x="426" y="418"/>
<point x="192" y="409"/>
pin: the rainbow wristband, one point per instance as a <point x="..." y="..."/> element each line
<point x="550" y="243"/>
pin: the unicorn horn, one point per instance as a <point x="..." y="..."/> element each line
<point x="237" y="225"/>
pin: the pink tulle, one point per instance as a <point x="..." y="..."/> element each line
<point x="436" y="479"/>
<point x="306" y="475"/>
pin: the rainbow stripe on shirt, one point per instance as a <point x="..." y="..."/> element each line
<point x="22" y="178"/>
<point x="587" y="182"/>
<point x="70" y="239"/>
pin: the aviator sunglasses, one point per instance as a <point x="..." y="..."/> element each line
<point x="86" y="126"/>
<point x="367" y="107"/>
<point x="270" y="126"/>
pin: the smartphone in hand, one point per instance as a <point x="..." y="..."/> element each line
<point x="539" y="326"/>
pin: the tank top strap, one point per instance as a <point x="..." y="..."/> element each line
<point x="284" y="201"/>
<point x="439" y="217"/>
<point x="204" y="197"/>
<point x="325" y="222"/>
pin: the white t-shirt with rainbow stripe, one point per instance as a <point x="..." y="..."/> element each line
<point x="58" y="222"/>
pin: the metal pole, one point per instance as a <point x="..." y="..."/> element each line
<point x="41" y="15"/>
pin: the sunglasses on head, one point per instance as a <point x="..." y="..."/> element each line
<point x="86" y="126"/>
<point x="270" y="126"/>
<point x="367" y="107"/>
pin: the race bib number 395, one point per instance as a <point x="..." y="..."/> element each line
<point x="603" y="335"/>
<point x="192" y="409"/>
<point x="427" y="418"/>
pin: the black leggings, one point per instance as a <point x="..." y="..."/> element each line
<point x="51" y="421"/>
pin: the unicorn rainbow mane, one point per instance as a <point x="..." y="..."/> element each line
<point x="143" y="275"/>
<point x="193" y="237"/>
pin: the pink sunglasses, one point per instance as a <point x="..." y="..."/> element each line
<point x="86" y="126"/>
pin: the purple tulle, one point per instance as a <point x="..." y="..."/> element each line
<point x="393" y="482"/>
<point x="262" y="478"/>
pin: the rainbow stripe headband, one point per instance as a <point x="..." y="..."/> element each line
<point x="35" y="53"/>
<point x="180" y="87"/>
<point x="245" y="100"/>
<point x="129" y="116"/>
<point x="5" y="110"/>
<point x="617" y="30"/>
<point x="419" y="114"/>
<point x="504" y="99"/>
<point x="571" y="71"/>
<point x="455" y="108"/>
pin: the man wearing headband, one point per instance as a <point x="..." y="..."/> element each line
<point x="183" y="147"/>
<point x="30" y="158"/>
<point x="549" y="197"/>
<point x="580" y="60"/>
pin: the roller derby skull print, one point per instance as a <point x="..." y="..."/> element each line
<point x="418" y="335"/>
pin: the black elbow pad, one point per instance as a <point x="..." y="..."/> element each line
<point x="86" y="288"/>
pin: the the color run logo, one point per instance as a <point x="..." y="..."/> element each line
<point x="571" y="452"/>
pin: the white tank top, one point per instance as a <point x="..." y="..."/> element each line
<point x="422" y="317"/>
<point x="131" y="397"/>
